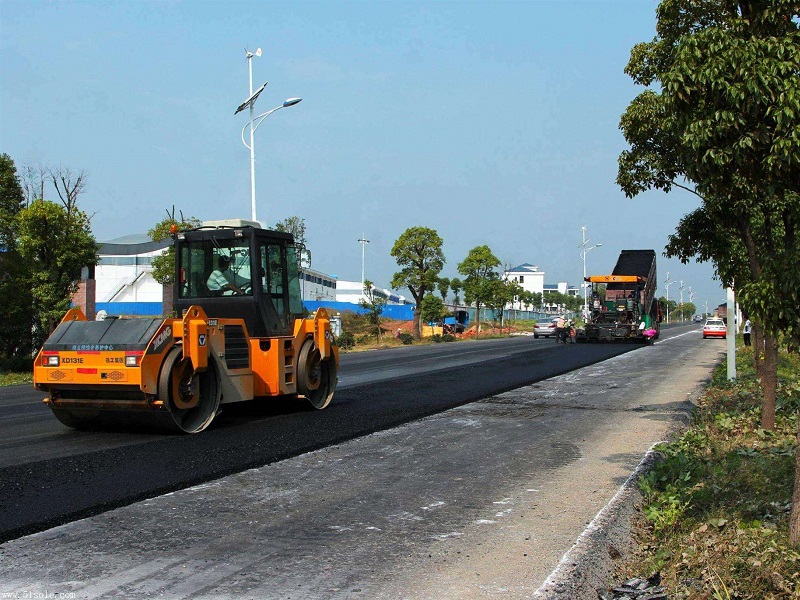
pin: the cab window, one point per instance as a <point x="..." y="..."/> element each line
<point x="211" y="268"/>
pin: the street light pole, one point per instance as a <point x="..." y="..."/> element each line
<point x="252" y="131"/>
<point x="254" y="123"/>
<point x="363" y="241"/>
<point x="583" y="256"/>
<point x="668" y="282"/>
<point x="681" y="288"/>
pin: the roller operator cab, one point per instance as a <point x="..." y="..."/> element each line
<point x="241" y="336"/>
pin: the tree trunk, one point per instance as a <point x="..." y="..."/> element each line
<point x="770" y="382"/>
<point x="794" y="519"/>
<point x="758" y="348"/>
<point x="478" y="318"/>
<point x="417" y="317"/>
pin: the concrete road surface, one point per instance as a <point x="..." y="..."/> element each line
<point x="480" y="501"/>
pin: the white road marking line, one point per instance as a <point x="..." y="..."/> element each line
<point x="675" y="337"/>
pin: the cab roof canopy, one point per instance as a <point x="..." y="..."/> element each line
<point x="231" y="223"/>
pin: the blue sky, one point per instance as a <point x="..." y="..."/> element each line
<point x="492" y="122"/>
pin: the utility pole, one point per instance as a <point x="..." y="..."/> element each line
<point x="681" y="288"/>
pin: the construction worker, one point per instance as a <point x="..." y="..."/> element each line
<point x="560" y="324"/>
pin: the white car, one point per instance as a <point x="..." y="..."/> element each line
<point x="715" y="328"/>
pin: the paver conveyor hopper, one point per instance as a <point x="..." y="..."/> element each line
<point x="241" y="336"/>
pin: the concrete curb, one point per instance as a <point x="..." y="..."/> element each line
<point x="589" y="565"/>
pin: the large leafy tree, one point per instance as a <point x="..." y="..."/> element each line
<point x="418" y="251"/>
<point x="724" y="125"/>
<point x="15" y="297"/>
<point x="479" y="271"/>
<point x="56" y="243"/>
<point x="722" y="120"/>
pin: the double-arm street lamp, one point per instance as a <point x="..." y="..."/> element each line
<point x="668" y="282"/>
<point x="254" y="123"/>
<point x="584" y="251"/>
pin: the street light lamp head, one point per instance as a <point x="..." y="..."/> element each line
<point x="249" y="54"/>
<point x="291" y="101"/>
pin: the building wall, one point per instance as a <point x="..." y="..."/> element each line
<point x="532" y="281"/>
<point x="317" y="286"/>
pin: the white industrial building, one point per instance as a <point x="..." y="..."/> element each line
<point x="528" y="276"/>
<point x="353" y="292"/>
<point x="124" y="270"/>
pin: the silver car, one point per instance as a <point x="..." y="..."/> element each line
<point x="545" y="328"/>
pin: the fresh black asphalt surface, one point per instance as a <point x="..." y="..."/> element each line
<point x="378" y="390"/>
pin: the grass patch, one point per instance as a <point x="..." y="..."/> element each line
<point x="15" y="378"/>
<point x="715" y="517"/>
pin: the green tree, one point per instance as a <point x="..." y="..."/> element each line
<point x="722" y="123"/>
<point x="164" y="264"/>
<point x="16" y="344"/>
<point x="297" y="227"/>
<point x="501" y="293"/>
<point x="478" y="269"/>
<point x="433" y="309"/>
<point x="419" y="252"/>
<point x="374" y="305"/>
<point x="684" y="311"/>
<point x="456" y="286"/>
<point x="443" y="285"/>
<point x="56" y="244"/>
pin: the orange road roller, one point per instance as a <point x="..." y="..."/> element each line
<point x="241" y="336"/>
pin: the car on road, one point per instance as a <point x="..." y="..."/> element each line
<point x="545" y="328"/>
<point x="698" y="318"/>
<point x="715" y="328"/>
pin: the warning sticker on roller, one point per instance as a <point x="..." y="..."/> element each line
<point x="201" y="339"/>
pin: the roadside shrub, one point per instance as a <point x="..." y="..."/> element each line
<point x="436" y="338"/>
<point x="346" y="341"/>
<point x="448" y="338"/>
<point x="365" y="339"/>
<point x="406" y="338"/>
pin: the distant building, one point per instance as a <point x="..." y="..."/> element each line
<point x="528" y="276"/>
<point x="123" y="277"/>
<point x="317" y="286"/>
<point x="353" y="292"/>
<point x="562" y="287"/>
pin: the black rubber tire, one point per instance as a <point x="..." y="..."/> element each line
<point x="316" y="378"/>
<point x="196" y="419"/>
